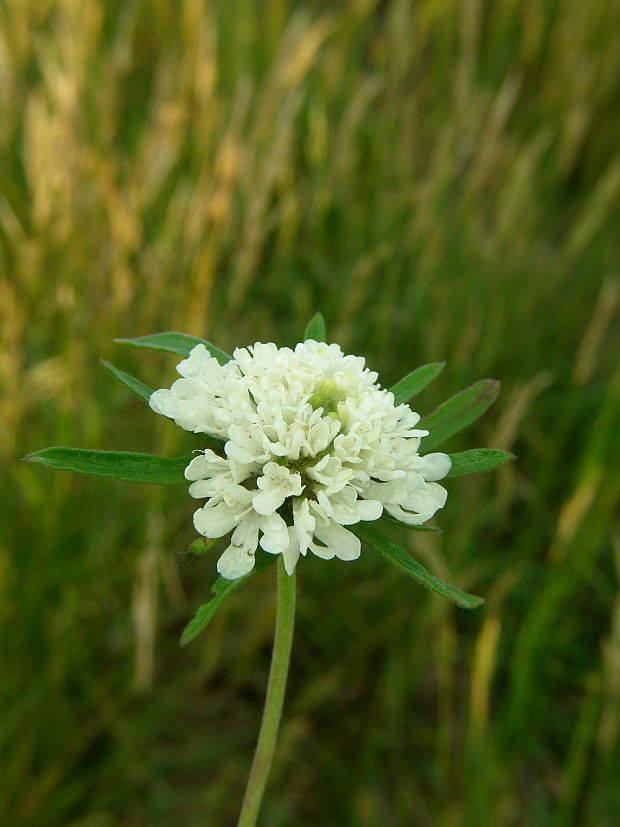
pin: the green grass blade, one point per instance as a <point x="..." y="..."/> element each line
<point x="119" y="465"/>
<point x="414" y="382"/>
<point x="477" y="460"/>
<point x="134" y="385"/>
<point x="222" y="589"/>
<point x="398" y="557"/>
<point x="181" y="343"/>
<point x="458" y="412"/>
<point x="315" y="329"/>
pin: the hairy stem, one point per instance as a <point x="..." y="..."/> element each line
<point x="267" y="737"/>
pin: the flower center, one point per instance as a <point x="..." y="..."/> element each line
<point x="327" y="394"/>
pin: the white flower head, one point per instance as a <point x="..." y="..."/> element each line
<point x="311" y="444"/>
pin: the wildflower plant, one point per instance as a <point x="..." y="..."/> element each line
<point x="302" y="452"/>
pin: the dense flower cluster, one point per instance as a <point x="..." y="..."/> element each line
<point x="312" y="444"/>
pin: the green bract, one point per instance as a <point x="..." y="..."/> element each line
<point x="450" y="417"/>
<point x="315" y="329"/>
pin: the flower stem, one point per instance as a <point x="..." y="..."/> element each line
<point x="281" y="655"/>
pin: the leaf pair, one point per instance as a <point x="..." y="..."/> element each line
<point x="396" y="555"/>
<point x="125" y="465"/>
<point x="179" y="343"/>
<point x="449" y="418"/>
<point x="452" y="416"/>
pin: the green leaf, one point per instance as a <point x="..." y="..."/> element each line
<point x="120" y="465"/>
<point x="315" y="329"/>
<point x="221" y="590"/>
<point x="476" y="461"/>
<point x="414" y="382"/>
<point x="458" y="412"/>
<point x="399" y="558"/>
<point x="181" y="343"/>
<point x="134" y="385"/>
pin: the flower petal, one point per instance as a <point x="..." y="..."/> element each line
<point x="275" y="534"/>
<point x="324" y="552"/>
<point x="207" y="464"/>
<point x="236" y="562"/>
<point x="434" y="466"/>
<point x="276" y="484"/>
<point x="344" y="544"/>
<point x="290" y="554"/>
<point x="215" y="520"/>
<point x="408" y="517"/>
<point x="303" y="523"/>
<point x="430" y="497"/>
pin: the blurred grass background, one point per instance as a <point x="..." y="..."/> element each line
<point x="441" y="178"/>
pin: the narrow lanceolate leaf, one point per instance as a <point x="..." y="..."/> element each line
<point x="398" y="557"/>
<point x="120" y="465"/>
<point x="476" y="461"/>
<point x="221" y="590"/>
<point x="315" y="329"/>
<point x="458" y="412"/>
<point x="414" y="382"/>
<point x="134" y="385"/>
<point x="181" y="343"/>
